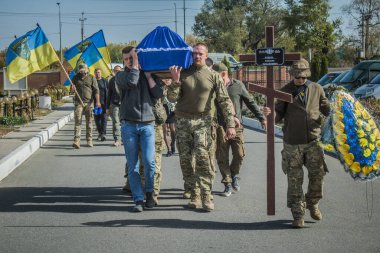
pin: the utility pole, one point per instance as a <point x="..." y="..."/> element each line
<point x="363" y="55"/>
<point x="82" y="24"/>
<point x="184" y="20"/>
<point x="175" y="17"/>
<point x="60" y="31"/>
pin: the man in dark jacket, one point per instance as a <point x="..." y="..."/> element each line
<point x="137" y="124"/>
<point x="113" y="102"/>
<point x="302" y="128"/>
<point x="101" y="119"/>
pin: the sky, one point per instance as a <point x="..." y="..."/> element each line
<point x="121" y="20"/>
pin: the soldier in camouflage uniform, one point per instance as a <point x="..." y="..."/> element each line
<point x="238" y="94"/>
<point x="87" y="88"/>
<point x="302" y="128"/>
<point x="193" y="89"/>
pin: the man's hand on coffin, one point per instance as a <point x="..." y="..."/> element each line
<point x="175" y="72"/>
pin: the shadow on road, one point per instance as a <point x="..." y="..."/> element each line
<point x="194" y="224"/>
<point x="75" y="199"/>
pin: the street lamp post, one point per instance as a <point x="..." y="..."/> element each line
<point x="60" y="31"/>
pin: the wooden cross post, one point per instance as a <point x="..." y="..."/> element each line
<point x="271" y="94"/>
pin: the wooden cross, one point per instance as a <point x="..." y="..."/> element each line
<point x="271" y="94"/>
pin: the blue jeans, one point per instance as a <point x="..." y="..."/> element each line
<point x="136" y="136"/>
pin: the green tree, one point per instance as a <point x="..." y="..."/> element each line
<point x="237" y="26"/>
<point x="315" y="68"/>
<point x="365" y="14"/>
<point x="2" y="58"/>
<point x="307" y="21"/>
<point x="115" y="50"/>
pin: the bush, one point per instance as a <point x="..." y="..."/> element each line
<point x="11" y="121"/>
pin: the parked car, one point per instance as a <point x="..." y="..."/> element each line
<point x="362" y="73"/>
<point x="336" y="81"/>
<point x="372" y="89"/>
<point x="218" y="57"/>
<point x="327" y="78"/>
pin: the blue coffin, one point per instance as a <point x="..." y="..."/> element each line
<point x="163" y="48"/>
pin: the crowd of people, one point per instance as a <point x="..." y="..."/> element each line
<point x="147" y="112"/>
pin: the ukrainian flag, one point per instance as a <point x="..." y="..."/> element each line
<point x="72" y="55"/>
<point x="92" y="57"/>
<point x="29" y="53"/>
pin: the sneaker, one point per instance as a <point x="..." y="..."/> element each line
<point x="207" y="203"/>
<point x="99" y="138"/>
<point x="76" y="145"/>
<point x="235" y="183"/>
<point x="315" y="213"/>
<point x="168" y="154"/>
<point x="102" y="137"/>
<point x="195" y="202"/>
<point x="298" y="223"/>
<point x="138" y="208"/>
<point x="90" y="144"/>
<point x="227" y="190"/>
<point x="187" y="195"/>
<point x="149" y="203"/>
<point x="117" y="143"/>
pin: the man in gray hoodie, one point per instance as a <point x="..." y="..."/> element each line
<point x="139" y="90"/>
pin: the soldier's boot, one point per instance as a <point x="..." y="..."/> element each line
<point x="207" y="203"/>
<point x="89" y="143"/>
<point x="155" y="199"/>
<point x="298" y="223"/>
<point x="76" y="144"/>
<point x="195" y="202"/>
<point x="315" y="213"/>
<point x="187" y="194"/>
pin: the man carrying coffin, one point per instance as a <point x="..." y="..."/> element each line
<point x="194" y="90"/>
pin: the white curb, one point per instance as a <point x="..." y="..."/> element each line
<point x="10" y="162"/>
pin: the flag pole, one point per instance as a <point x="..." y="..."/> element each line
<point x="75" y="90"/>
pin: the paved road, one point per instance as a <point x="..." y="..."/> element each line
<point x="66" y="200"/>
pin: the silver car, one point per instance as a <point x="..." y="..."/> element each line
<point x="372" y="89"/>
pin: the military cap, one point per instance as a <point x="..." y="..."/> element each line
<point x="219" y="67"/>
<point x="300" y="68"/>
<point x="82" y="66"/>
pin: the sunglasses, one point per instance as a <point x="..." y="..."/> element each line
<point x="300" y="77"/>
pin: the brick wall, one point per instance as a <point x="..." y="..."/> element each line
<point x="39" y="79"/>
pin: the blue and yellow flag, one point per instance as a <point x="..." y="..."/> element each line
<point x="67" y="82"/>
<point x="72" y="55"/>
<point x="29" y="53"/>
<point x="92" y="57"/>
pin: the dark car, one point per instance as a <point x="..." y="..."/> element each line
<point x="328" y="78"/>
<point x="362" y="73"/>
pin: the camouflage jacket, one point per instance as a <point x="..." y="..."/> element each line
<point x="195" y="94"/>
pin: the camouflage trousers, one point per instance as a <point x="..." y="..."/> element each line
<point x="228" y="170"/>
<point x="195" y="142"/>
<point x="79" y="111"/>
<point x="294" y="157"/>
<point x="159" y="146"/>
